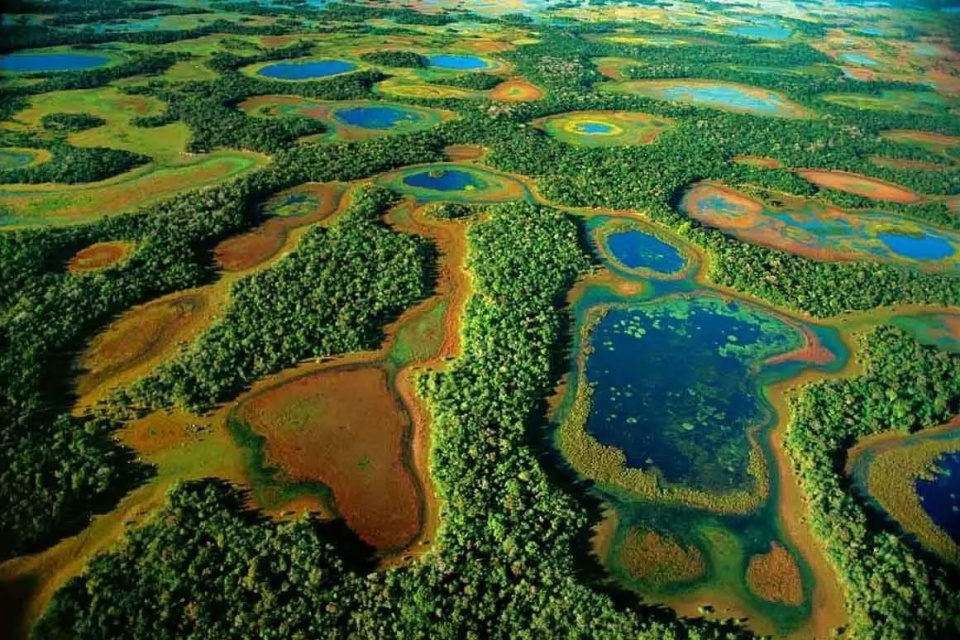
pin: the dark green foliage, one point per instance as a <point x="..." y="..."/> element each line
<point x="55" y="475"/>
<point x="893" y="591"/>
<point x="71" y="165"/>
<point x="71" y="122"/>
<point x="207" y="568"/>
<point x="475" y="81"/>
<point x="331" y="296"/>
<point x="46" y="315"/>
<point x="449" y="211"/>
<point x="395" y="58"/>
<point x="503" y="565"/>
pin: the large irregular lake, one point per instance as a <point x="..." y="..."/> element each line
<point x="310" y="70"/>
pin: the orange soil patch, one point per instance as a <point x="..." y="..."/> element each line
<point x="99" y="256"/>
<point x="812" y="351"/>
<point x="464" y="152"/>
<point x="775" y="577"/>
<point x="142" y="338"/>
<point x="259" y="245"/>
<point x="344" y="428"/>
<point x="516" y="90"/>
<point x="485" y="46"/>
<point x="861" y="74"/>
<point x="859" y="185"/>
<point x="898" y="163"/>
<point x="659" y="561"/>
<point x="922" y="138"/>
<point x="757" y="161"/>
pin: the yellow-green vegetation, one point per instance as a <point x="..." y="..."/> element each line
<point x="29" y="205"/>
<point x="604" y="128"/>
<point x="165" y="144"/>
<point x="891" y="465"/>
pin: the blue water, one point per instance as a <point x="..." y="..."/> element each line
<point x="49" y="62"/>
<point x="926" y="50"/>
<point x="725" y="96"/>
<point x="638" y="250"/>
<point x="306" y="70"/>
<point x="926" y="247"/>
<point x="12" y="159"/>
<point x="676" y="386"/>
<point x="458" y="63"/>
<point x="446" y="180"/>
<point x="941" y="496"/>
<point x="872" y="31"/>
<point x="593" y="127"/>
<point x="858" y="58"/>
<point x="373" y="117"/>
<point x="763" y="30"/>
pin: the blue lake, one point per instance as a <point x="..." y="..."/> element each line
<point x="458" y="63"/>
<point x="926" y="247"/>
<point x="940" y="497"/>
<point x="593" y="127"/>
<point x="446" y="180"/>
<point x="858" y="58"/>
<point x="725" y="96"/>
<point x="763" y="30"/>
<point x="638" y="250"/>
<point x="376" y="117"/>
<point x="676" y="386"/>
<point x="49" y="62"/>
<point x="306" y="70"/>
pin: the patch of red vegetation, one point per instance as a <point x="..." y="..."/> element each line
<point x="516" y="90"/>
<point x="142" y="338"/>
<point x="812" y="352"/>
<point x="464" y="152"/>
<point x="255" y="247"/>
<point x="99" y="256"/>
<point x="345" y="428"/>
<point x="759" y="162"/>
<point x="775" y="576"/>
<point x="859" y="185"/>
<point x="899" y="163"/>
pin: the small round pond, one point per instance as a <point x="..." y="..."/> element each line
<point x="458" y="62"/>
<point x="456" y="183"/>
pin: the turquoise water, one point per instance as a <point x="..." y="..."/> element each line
<point x="858" y="58"/>
<point x="446" y="180"/>
<point x="872" y="31"/>
<point x="458" y="63"/>
<point x="306" y="70"/>
<point x="940" y="497"/>
<point x="13" y="159"/>
<point x="765" y="30"/>
<point x="638" y="250"/>
<point x="374" y="117"/>
<point x="677" y="386"/>
<point x="926" y="50"/>
<point x="923" y="248"/>
<point x="725" y="96"/>
<point x="49" y="62"/>
<point x="592" y="127"/>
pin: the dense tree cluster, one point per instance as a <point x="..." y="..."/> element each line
<point x="505" y="560"/>
<point x="893" y="591"/>
<point x="503" y="564"/>
<point x="333" y="295"/>
<point x="396" y="58"/>
<point x="71" y="122"/>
